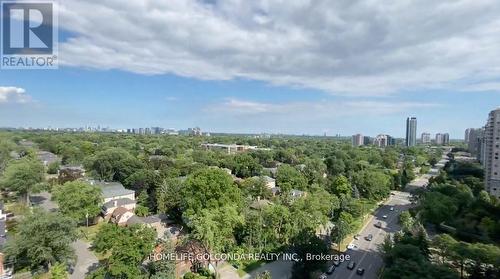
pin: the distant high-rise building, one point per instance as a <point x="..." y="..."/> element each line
<point x="446" y="139"/>
<point x="384" y="140"/>
<point x="491" y="160"/>
<point x="442" y="138"/>
<point x="474" y="138"/>
<point x="411" y="131"/>
<point x="357" y="140"/>
<point x="425" y="138"/>
<point x="467" y="134"/>
<point x="195" y="131"/>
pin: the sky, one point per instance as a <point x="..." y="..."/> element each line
<point x="294" y="67"/>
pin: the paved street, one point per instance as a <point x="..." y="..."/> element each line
<point x="367" y="255"/>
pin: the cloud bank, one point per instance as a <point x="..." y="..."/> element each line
<point x="353" y="48"/>
<point x="10" y="94"/>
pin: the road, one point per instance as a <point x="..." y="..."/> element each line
<point x="367" y="255"/>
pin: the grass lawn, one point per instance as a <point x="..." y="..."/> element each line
<point x="18" y="208"/>
<point x="248" y="267"/>
<point x="88" y="233"/>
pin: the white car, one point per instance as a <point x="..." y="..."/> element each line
<point x="392" y="208"/>
<point x="384" y="216"/>
<point x="352" y="247"/>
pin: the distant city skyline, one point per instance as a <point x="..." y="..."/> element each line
<point x="237" y="70"/>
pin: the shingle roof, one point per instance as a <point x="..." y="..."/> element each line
<point x="143" y="220"/>
<point x="135" y="220"/>
<point x="112" y="189"/>
<point x="119" y="211"/>
<point x="119" y="202"/>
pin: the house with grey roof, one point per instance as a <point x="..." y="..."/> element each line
<point x="47" y="158"/>
<point x="113" y="190"/>
<point x="110" y="206"/>
<point x="297" y="194"/>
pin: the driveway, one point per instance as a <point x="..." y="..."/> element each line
<point x="43" y="200"/>
<point x="86" y="261"/>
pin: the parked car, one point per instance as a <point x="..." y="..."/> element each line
<point x="352" y="247"/>
<point x="384" y="216"/>
<point x="331" y="269"/>
<point x="351" y="265"/>
<point x="336" y="263"/>
<point x="378" y="225"/>
<point x="360" y="271"/>
<point x="323" y="276"/>
<point x="356" y="236"/>
<point x="392" y="208"/>
<point x="369" y="237"/>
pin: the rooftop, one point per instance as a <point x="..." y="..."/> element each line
<point x="119" y="202"/>
<point x="111" y="189"/>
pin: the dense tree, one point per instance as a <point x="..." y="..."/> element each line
<point x="143" y="179"/>
<point x="244" y="165"/>
<point x="340" y="185"/>
<point x="288" y="178"/>
<point x="406" y="221"/>
<point x="209" y="188"/>
<point x="58" y="271"/>
<point x="304" y="243"/>
<point x="372" y="184"/>
<point x="343" y="227"/>
<point x="335" y="166"/>
<point x="215" y="227"/>
<point x="78" y="200"/>
<point x="256" y="187"/>
<point x="169" y="196"/>
<point x="164" y="268"/>
<point x="128" y="247"/>
<point x="42" y="239"/>
<point x="314" y="171"/>
<point x="113" y="164"/>
<point x="23" y="176"/>
<point x="437" y="207"/>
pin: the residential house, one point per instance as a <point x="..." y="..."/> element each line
<point x="47" y="158"/>
<point x="150" y="221"/>
<point x="110" y="206"/>
<point x="275" y="191"/>
<point x="70" y="173"/>
<point x="115" y="196"/>
<point x="120" y="216"/>
<point x="271" y="171"/>
<point x="270" y="182"/>
<point x="297" y="194"/>
<point x="113" y="190"/>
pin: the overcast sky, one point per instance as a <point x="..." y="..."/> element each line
<point x="266" y="66"/>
